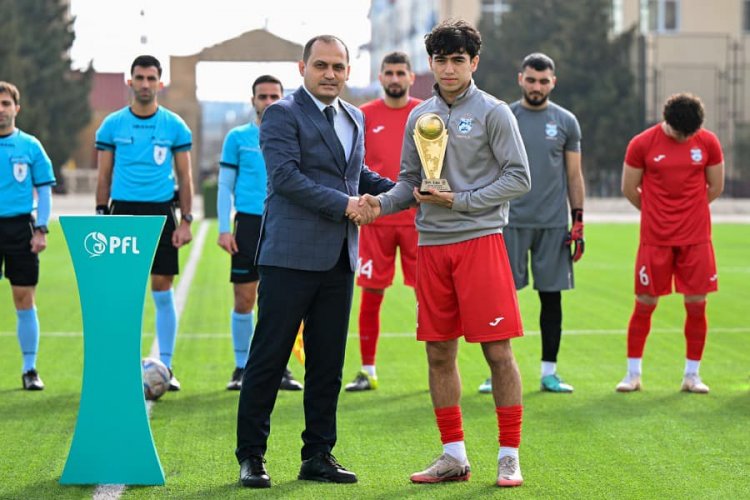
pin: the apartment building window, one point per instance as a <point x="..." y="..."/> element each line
<point x="494" y="9"/>
<point x="617" y="20"/>
<point x="663" y="15"/>
<point x="746" y="17"/>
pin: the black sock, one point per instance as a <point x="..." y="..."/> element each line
<point x="550" y="324"/>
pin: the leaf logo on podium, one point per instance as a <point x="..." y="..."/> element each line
<point x="95" y="244"/>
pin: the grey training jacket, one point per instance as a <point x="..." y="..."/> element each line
<point x="485" y="165"/>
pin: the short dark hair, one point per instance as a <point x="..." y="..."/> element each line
<point x="396" y="57"/>
<point x="325" y="39"/>
<point x="451" y="36"/>
<point x="12" y="90"/>
<point x="146" y="62"/>
<point x="538" y="61"/>
<point x="684" y="113"/>
<point x="267" y="79"/>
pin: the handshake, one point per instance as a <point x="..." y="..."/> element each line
<point x="363" y="210"/>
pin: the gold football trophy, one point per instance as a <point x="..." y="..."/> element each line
<point x="431" y="139"/>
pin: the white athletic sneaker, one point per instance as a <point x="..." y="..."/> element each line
<point x="444" y="468"/>
<point x="486" y="386"/>
<point x="693" y="383"/>
<point x="509" y="472"/>
<point x="631" y="382"/>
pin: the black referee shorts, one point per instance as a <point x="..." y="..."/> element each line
<point x="166" y="261"/>
<point x="20" y="264"/>
<point x="246" y="234"/>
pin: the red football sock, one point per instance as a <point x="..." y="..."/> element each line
<point x="450" y="424"/>
<point x="640" y="325"/>
<point x="369" y="325"/>
<point x="695" y="329"/>
<point x="509" y="420"/>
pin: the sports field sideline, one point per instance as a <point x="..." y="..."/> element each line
<point x="597" y="209"/>
<point x="592" y="444"/>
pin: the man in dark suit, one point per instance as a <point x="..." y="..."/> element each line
<point x="313" y="145"/>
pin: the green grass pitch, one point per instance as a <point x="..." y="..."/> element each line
<point x="595" y="443"/>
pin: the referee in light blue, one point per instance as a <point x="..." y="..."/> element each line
<point x="242" y="177"/>
<point x="137" y="147"/>
<point x="25" y="168"/>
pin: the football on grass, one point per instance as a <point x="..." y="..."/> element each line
<point x="155" y="378"/>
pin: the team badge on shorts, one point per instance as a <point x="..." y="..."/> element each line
<point x="20" y="171"/>
<point x="550" y="130"/>
<point x="465" y="125"/>
<point x="696" y="155"/>
<point x="160" y="154"/>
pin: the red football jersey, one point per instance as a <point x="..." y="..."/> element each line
<point x="674" y="199"/>
<point x="384" y="136"/>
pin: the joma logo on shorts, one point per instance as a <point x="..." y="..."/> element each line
<point x="496" y="321"/>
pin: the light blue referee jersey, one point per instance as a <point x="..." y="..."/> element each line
<point x="25" y="166"/>
<point x="241" y="151"/>
<point x="143" y="150"/>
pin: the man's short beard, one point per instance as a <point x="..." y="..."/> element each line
<point x="395" y="94"/>
<point x="140" y="100"/>
<point x="535" y="102"/>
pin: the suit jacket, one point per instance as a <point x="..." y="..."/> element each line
<point x="309" y="184"/>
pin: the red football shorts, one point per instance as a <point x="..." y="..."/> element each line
<point x="377" y="255"/>
<point x="692" y="267"/>
<point x="466" y="289"/>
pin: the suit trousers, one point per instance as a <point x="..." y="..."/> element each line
<point x="286" y="297"/>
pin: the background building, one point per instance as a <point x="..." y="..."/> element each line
<point x="109" y="93"/>
<point x="700" y="47"/>
<point x="402" y="24"/>
<point x="696" y="46"/>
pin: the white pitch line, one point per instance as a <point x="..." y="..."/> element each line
<point x="109" y="491"/>
<point x="115" y="491"/>
<point x="412" y="335"/>
<point x="183" y="286"/>
<point x="612" y="331"/>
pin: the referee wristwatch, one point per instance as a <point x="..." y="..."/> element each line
<point x="187" y="218"/>
<point x="42" y="229"/>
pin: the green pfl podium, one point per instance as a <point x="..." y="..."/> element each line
<point x="112" y="257"/>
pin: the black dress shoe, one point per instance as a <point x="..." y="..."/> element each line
<point x="253" y="473"/>
<point x="288" y="382"/>
<point x="323" y="467"/>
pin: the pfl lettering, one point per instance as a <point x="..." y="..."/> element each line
<point x="123" y="244"/>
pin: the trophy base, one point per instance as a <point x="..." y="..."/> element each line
<point x="436" y="184"/>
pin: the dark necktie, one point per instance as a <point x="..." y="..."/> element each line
<point x="329" y="114"/>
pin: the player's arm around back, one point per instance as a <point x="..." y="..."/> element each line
<point x="715" y="180"/>
<point x="631" y="184"/>
<point x="182" y="235"/>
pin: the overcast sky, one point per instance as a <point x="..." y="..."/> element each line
<point x="110" y="33"/>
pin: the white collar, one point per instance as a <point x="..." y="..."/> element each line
<point x="321" y="105"/>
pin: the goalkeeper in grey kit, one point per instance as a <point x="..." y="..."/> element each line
<point x="538" y="221"/>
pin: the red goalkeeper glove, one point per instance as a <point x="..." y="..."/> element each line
<point x="575" y="235"/>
